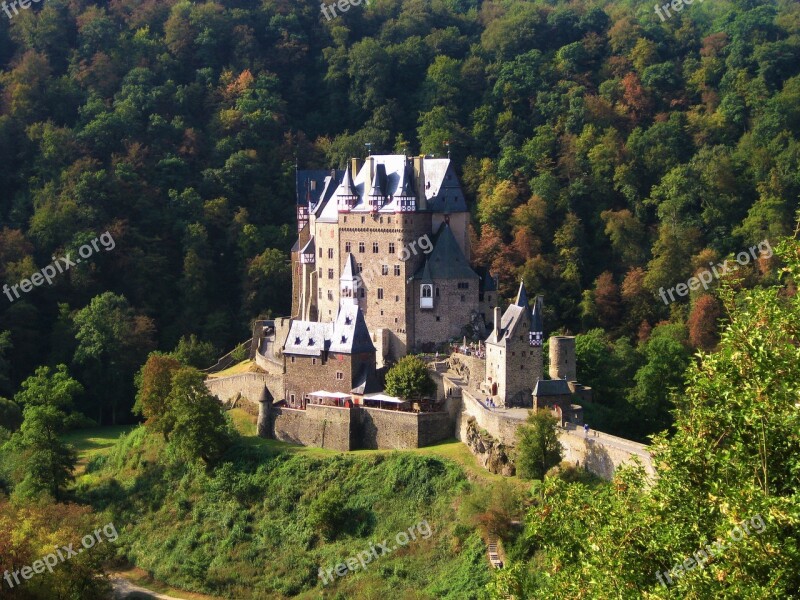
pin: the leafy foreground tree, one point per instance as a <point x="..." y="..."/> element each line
<point x="538" y="447"/>
<point x="35" y="461"/>
<point x="176" y="403"/>
<point x="733" y="462"/>
<point x="30" y="532"/>
<point x="410" y="379"/>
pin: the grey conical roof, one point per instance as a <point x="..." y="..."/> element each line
<point x="537" y="323"/>
<point x="522" y="296"/>
<point x="347" y="188"/>
<point x="349" y="271"/>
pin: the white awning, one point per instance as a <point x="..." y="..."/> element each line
<point x="384" y="398"/>
<point x="324" y="394"/>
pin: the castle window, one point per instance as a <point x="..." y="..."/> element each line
<point x="391" y="247"/>
<point x="395" y="320"/>
<point x="291" y="397"/>
<point x="320" y="252"/>
<point x="330" y="252"/>
<point x="330" y="295"/>
<point x="384" y="269"/>
<point x="438" y="319"/>
<point x="437" y="292"/>
<point x="463" y="285"/>
<point x="380" y="293"/>
<point x="426" y="296"/>
<point x="339" y="375"/>
<point x="359" y="267"/>
<point x="330" y="273"/>
<point x="362" y="247"/>
<point x="313" y="361"/>
<point x="361" y="292"/>
<point x="363" y="219"/>
<point x="345" y="219"/>
<point x="319" y="294"/>
<point x="397" y="270"/>
<point x="381" y="220"/>
<point x="397" y="298"/>
<point x="320" y="273"/>
<point x="293" y="359"/>
<point x="375" y="248"/>
<point x="347" y="246"/>
<point x="389" y="220"/>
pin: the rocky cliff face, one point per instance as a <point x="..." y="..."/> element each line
<point x="493" y="455"/>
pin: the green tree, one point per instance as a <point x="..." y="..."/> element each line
<point x="201" y="430"/>
<point x="48" y="388"/>
<point x="538" y="448"/>
<point x="410" y="379"/>
<point x="10" y="415"/>
<point x="154" y="385"/>
<point x="43" y="464"/>
<point x="112" y="342"/>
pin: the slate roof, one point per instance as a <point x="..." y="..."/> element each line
<point x="509" y="323"/>
<point x="350" y="334"/>
<point x="306" y="196"/>
<point x="522" y="296"/>
<point x="308" y="338"/>
<point x="347" y="335"/>
<point x="551" y="387"/>
<point x="446" y="260"/>
<point x="393" y="178"/>
<point x="537" y="323"/>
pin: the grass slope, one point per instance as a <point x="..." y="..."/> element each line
<point x="264" y="522"/>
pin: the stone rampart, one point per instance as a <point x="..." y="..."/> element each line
<point x="249" y="385"/>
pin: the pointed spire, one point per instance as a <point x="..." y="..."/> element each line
<point x="346" y="195"/>
<point x="349" y="282"/>
<point x="522" y="296"/>
<point x="536" y="333"/>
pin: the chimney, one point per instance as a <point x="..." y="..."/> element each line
<point x="497" y="323"/>
<point x="419" y="175"/>
<point x="355" y="167"/>
<point x="371" y="163"/>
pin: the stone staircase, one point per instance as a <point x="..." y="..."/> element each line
<point x="494" y="558"/>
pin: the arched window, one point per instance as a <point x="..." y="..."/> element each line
<point x="426" y="296"/>
<point x="427" y="291"/>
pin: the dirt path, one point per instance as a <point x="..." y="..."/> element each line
<point x="125" y="590"/>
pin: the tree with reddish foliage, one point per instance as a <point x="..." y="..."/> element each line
<point x="154" y="384"/>
<point x="702" y="323"/>
<point x="607" y="301"/>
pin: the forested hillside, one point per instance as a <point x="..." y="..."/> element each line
<point x="607" y="153"/>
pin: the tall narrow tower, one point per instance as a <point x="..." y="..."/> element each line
<point x="535" y="339"/>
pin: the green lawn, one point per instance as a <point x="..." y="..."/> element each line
<point x="94" y="441"/>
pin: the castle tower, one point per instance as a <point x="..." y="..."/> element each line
<point x="349" y="282"/>
<point x="535" y="339"/>
<point x="514" y="353"/>
<point x="562" y="358"/>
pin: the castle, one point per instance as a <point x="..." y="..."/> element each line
<point x="381" y="269"/>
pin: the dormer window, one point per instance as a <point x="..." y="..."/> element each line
<point x="311" y="341"/>
<point x="426" y="296"/>
<point x="347" y="320"/>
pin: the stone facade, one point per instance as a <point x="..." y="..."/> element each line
<point x="333" y="373"/>
<point x="454" y="304"/>
<point x="562" y="358"/>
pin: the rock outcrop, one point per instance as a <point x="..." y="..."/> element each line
<point x="493" y="455"/>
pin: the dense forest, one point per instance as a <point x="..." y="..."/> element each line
<point x="610" y="155"/>
<point x="607" y="154"/>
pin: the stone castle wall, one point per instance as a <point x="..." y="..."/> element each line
<point x="598" y="453"/>
<point x="320" y="426"/>
<point x="357" y="428"/>
<point x="249" y="385"/>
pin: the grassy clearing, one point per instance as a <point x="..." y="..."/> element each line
<point x="94" y="442"/>
<point x="246" y="366"/>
